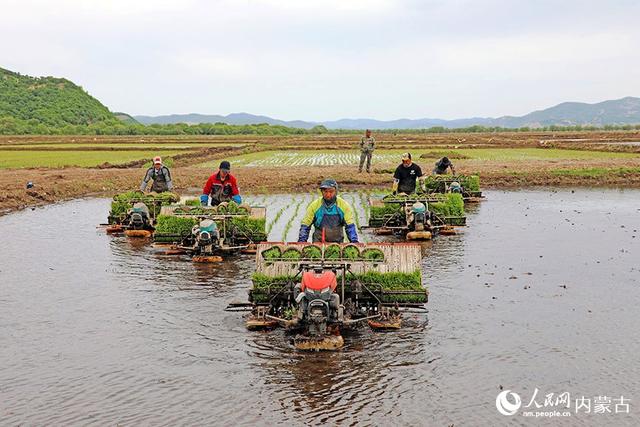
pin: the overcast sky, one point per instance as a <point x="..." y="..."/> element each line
<point x="323" y="60"/>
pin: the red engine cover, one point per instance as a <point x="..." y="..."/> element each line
<point x="318" y="282"/>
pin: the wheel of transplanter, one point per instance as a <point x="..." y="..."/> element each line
<point x="472" y="199"/>
<point x="419" y="235"/>
<point x="254" y="323"/>
<point x="145" y="234"/>
<point x="205" y="259"/>
<point x="326" y="343"/>
<point x="447" y="231"/>
<point x="383" y="231"/>
<point x="257" y="320"/>
<point x="114" y="229"/>
<point x="385" y="325"/>
<point x="172" y="251"/>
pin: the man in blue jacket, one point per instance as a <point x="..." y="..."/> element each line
<point x="331" y="217"/>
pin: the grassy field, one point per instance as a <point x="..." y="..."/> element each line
<point x="105" y="146"/>
<point x="89" y="156"/>
<point x="57" y="159"/>
<point x="388" y="157"/>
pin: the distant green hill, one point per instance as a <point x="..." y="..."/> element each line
<point x="48" y="101"/>
<point x="50" y="105"/>
<point x="125" y="118"/>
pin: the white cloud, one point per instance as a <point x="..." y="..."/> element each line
<point x="315" y="59"/>
<point x="211" y="65"/>
<point x="328" y="5"/>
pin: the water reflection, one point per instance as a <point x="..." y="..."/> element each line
<point x="539" y="291"/>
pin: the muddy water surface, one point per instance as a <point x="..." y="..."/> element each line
<point x="540" y="291"/>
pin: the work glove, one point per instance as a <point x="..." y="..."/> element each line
<point x="303" y="234"/>
<point x="352" y="233"/>
<point x="204" y="200"/>
<point x="237" y="199"/>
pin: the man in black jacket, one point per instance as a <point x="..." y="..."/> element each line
<point x="405" y="176"/>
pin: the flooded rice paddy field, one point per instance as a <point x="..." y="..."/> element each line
<point x="541" y="290"/>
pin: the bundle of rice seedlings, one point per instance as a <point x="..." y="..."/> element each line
<point x="264" y="285"/>
<point x="292" y="254"/>
<point x="165" y="238"/>
<point x="451" y="204"/>
<point x="254" y="228"/>
<point x="332" y="252"/>
<point x="471" y="183"/>
<point x="351" y="252"/>
<point x="222" y="208"/>
<point x="122" y="202"/>
<point x="311" y="252"/>
<point x="379" y="212"/>
<point x="434" y="184"/>
<point x="244" y="209"/>
<point x="174" y="225"/>
<point x="438" y="183"/>
<point x="396" y="281"/>
<point x="118" y="210"/>
<point x="262" y="281"/>
<point x="274" y="252"/>
<point x="192" y="202"/>
<point x="232" y="208"/>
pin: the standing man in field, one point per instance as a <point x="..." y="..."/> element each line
<point x="221" y="187"/>
<point x="160" y="175"/>
<point x="367" y="145"/>
<point x="331" y="217"/>
<point x="406" y="175"/>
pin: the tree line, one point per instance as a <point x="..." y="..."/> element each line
<point x="15" y="126"/>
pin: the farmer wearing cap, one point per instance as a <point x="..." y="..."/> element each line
<point x="442" y="165"/>
<point x="331" y="217"/>
<point x="367" y="145"/>
<point x="221" y="187"/>
<point x="405" y="176"/>
<point x="160" y="175"/>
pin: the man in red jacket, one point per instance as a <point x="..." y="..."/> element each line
<point x="221" y="187"/>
